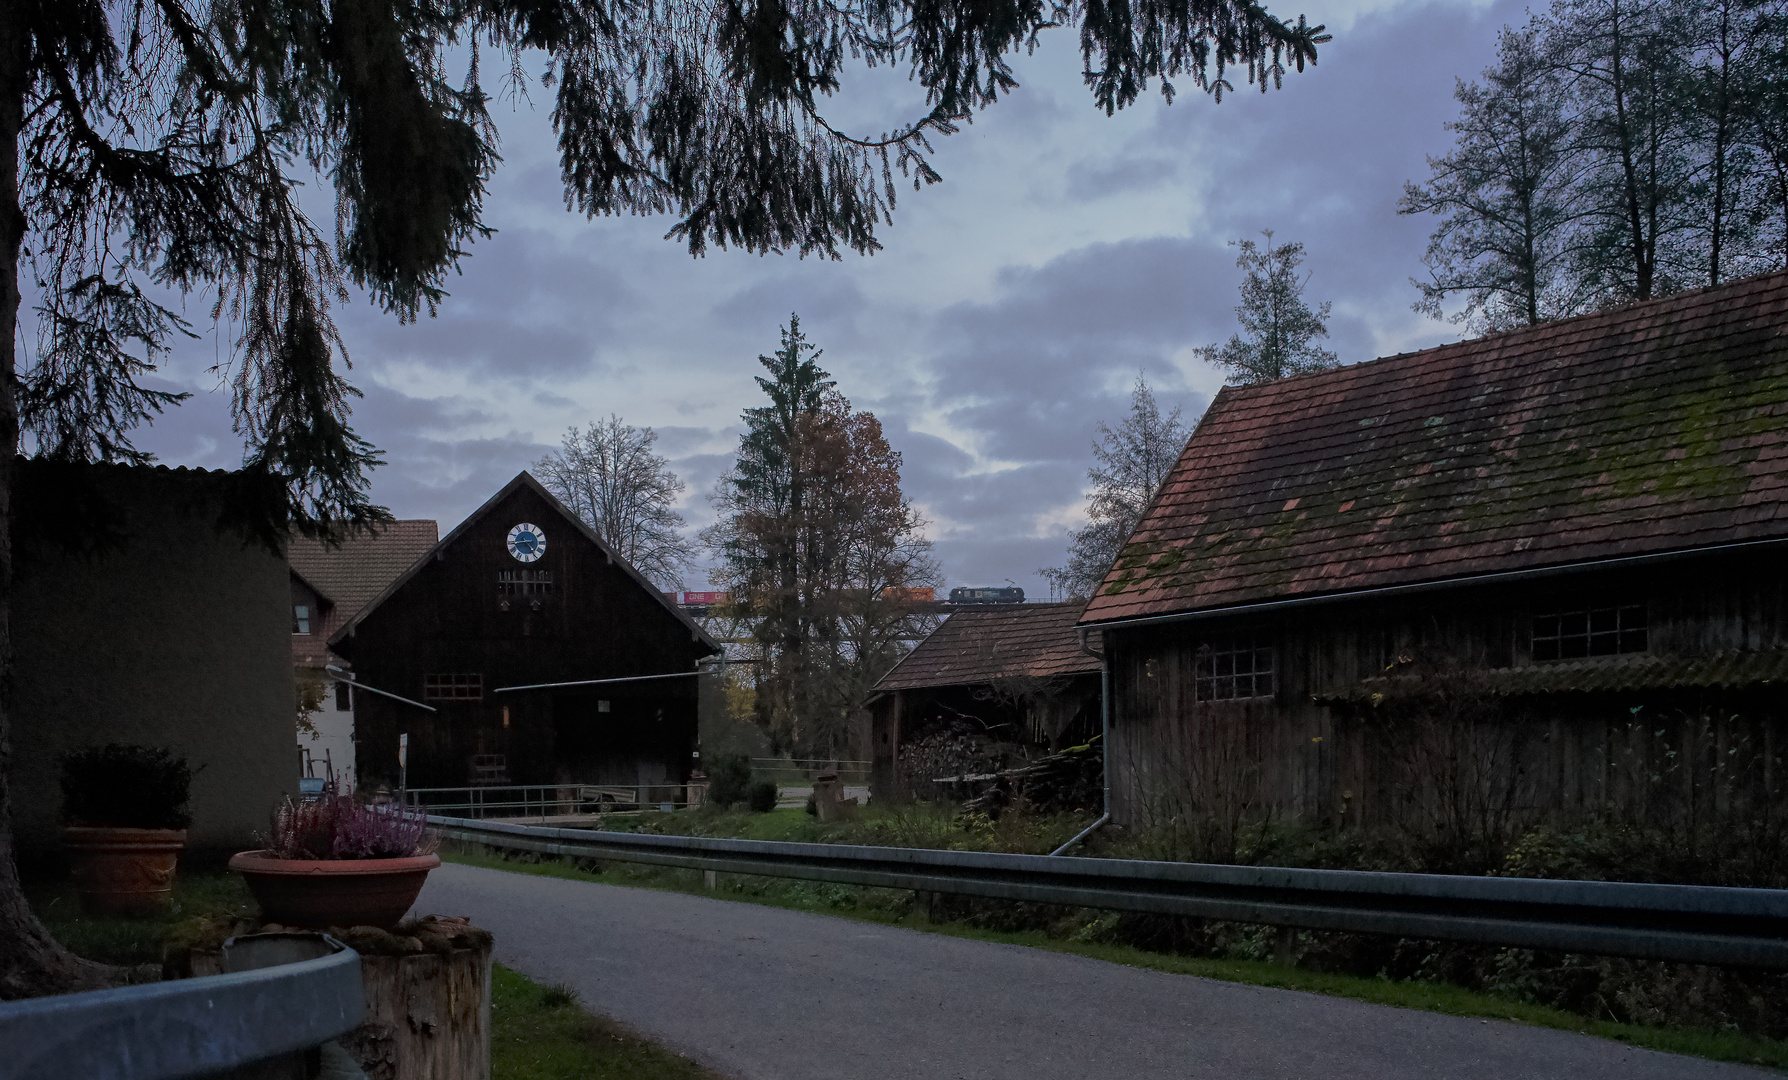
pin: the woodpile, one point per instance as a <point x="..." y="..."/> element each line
<point x="1070" y="779"/>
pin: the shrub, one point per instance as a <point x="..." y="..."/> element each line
<point x="763" y="796"/>
<point x="338" y="826"/>
<point x="134" y="787"/>
<point x="729" y="780"/>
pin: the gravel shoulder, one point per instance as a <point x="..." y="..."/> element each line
<point x="763" y="993"/>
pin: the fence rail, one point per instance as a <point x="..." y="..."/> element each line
<point x="184" y="1028"/>
<point x="796" y="770"/>
<point x="547" y="800"/>
<point x="1694" y="924"/>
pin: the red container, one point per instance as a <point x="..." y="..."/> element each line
<point x="334" y="892"/>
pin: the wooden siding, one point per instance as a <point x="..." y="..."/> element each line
<point x="1311" y="752"/>
<point x="596" y="623"/>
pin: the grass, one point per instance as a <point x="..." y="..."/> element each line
<point x="894" y="907"/>
<point x="541" y="1033"/>
<point x="130" y="942"/>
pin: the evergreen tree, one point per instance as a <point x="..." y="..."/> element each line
<point x="1280" y="327"/>
<point x="817" y="543"/>
<point x="1131" y="464"/>
<point x="1504" y="194"/>
<point x="609" y="476"/>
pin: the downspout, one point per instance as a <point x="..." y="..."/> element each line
<point x="1104" y="741"/>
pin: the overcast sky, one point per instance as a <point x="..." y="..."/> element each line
<point x="1011" y="309"/>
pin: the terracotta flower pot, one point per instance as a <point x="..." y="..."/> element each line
<point x="120" y="871"/>
<point x="334" y="892"/>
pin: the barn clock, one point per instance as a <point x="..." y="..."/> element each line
<point x="527" y="542"/>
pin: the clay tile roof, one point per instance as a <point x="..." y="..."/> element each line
<point x="1658" y="427"/>
<point x="980" y="645"/>
<point x="354" y="574"/>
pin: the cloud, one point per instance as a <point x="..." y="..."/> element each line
<point x="1009" y="311"/>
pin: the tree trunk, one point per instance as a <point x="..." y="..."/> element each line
<point x="31" y="961"/>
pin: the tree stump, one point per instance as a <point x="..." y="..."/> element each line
<point x="427" y="1001"/>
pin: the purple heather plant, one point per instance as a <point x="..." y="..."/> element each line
<point x="342" y="826"/>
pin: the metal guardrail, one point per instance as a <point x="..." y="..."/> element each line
<point x="184" y="1028"/>
<point x="1693" y="924"/>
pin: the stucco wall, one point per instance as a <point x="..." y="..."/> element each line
<point x="175" y="633"/>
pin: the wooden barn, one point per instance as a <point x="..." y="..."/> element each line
<point x="1016" y="674"/>
<point x="487" y="629"/>
<point x="1536" y="574"/>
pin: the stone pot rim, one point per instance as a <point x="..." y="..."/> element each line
<point x="261" y="861"/>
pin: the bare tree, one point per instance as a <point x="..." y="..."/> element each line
<point x="609" y="476"/>
<point x="1131" y="464"/>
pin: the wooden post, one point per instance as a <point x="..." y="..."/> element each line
<point x="427" y="1013"/>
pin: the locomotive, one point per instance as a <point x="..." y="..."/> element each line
<point x="987" y="595"/>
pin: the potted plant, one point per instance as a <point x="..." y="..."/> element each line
<point x="339" y="861"/>
<point x="125" y="814"/>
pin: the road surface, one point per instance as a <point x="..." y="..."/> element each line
<point x="760" y="993"/>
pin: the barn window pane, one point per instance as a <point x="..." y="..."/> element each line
<point x="1598" y="631"/>
<point x="453" y="688"/>
<point x="1233" y="669"/>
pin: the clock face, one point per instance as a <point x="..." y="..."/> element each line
<point x="527" y="542"/>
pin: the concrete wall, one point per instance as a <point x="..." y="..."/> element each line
<point x="137" y="620"/>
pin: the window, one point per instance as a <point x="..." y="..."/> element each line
<point x="524" y="582"/>
<point x="1598" y="631"/>
<point x="1233" y="669"/>
<point x="453" y="688"/>
<point x="344" y="696"/>
<point x="300" y="618"/>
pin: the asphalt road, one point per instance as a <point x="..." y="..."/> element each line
<point x="765" y="994"/>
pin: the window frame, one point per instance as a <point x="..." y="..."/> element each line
<point x="1209" y="676"/>
<point x="301" y="620"/>
<point x="1575" y="633"/>
<point x="453" y="687"/>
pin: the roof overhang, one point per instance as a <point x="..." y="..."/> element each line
<point x="1498" y="577"/>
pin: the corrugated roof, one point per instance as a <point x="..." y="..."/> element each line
<point x="1654" y="428"/>
<point x="353" y="575"/>
<point x="982" y="645"/>
<point x="1605" y="674"/>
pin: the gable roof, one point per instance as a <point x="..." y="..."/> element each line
<point x="349" y="577"/>
<point x="1657" y="428"/>
<point x="979" y="646"/>
<point x="526" y="479"/>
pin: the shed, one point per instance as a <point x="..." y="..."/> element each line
<point x="1561" y="547"/>
<point x="1017" y="673"/>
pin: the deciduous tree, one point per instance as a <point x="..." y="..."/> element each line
<point x="1505" y="197"/>
<point x="1131" y="463"/>
<point x="609" y="476"/>
<point x="817" y="543"/>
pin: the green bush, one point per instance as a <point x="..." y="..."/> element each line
<point x="729" y="780"/>
<point x="763" y="796"/>
<point x="133" y="787"/>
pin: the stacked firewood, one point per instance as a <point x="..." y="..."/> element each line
<point x="1070" y="779"/>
